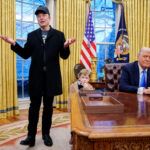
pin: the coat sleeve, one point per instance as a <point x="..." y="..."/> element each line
<point x="23" y="52"/>
<point x="64" y="52"/>
<point x="125" y="81"/>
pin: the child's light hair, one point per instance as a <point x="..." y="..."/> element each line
<point x="84" y="72"/>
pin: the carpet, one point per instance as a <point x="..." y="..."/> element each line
<point x="11" y="134"/>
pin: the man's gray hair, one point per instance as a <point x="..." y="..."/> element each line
<point x="144" y="49"/>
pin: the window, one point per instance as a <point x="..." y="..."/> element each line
<point x="25" y="23"/>
<point x="105" y="25"/>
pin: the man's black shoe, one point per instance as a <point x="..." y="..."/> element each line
<point x="47" y="140"/>
<point x="28" y="141"/>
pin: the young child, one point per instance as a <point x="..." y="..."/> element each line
<point x="83" y="80"/>
<point x="82" y="83"/>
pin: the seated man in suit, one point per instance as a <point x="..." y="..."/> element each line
<point x="135" y="76"/>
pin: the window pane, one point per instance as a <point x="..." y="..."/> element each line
<point x="28" y="1"/>
<point x="109" y="4"/>
<point x="36" y="26"/>
<point x="99" y="19"/>
<point x="110" y="35"/>
<point x="20" y="42"/>
<point x="18" y="57"/>
<point x="18" y="10"/>
<point x="92" y="6"/>
<point x="110" y="19"/>
<point x="26" y="27"/>
<point x="110" y="53"/>
<point x="100" y="35"/>
<point x="101" y="58"/>
<point x="19" y="69"/>
<point x="18" y="29"/>
<point x="34" y="9"/>
<point x="39" y="2"/>
<point x="35" y="19"/>
<point x="26" y="74"/>
<point x="104" y="52"/>
<point x="26" y="68"/>
<point x="24" y="42"/>
<point x="99" y="5"/>
<point x="20" y="88"/>
<point x="26" y="88"/>
<point x="104" y="19"/>
<point x="27" y="12"/>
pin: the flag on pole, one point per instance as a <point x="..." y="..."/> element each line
<point x="88" y="49"/>
<point x="122" y="43"/>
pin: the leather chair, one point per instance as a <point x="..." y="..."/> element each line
<point x="112" y="76"/>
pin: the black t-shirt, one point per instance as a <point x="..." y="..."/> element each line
<point x="44" y="35"/>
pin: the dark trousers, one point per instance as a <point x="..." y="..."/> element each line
<point x="34" y="114"/>
<point x="35" y="108"/>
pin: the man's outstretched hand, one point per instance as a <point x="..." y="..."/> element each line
<point x="7" y="39"/>
<point x="69" y="42"/>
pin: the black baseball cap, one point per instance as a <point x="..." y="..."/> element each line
<point x="42" y="9"/>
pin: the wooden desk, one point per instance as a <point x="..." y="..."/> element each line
<point x="98" y="84"/>
<point x="129" y="130"/>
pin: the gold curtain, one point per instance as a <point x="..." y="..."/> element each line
<point x="71" y="19"/>
<point x="8" y="87"/>
<point x="137" y="14"/>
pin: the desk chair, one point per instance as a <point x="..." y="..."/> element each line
<point x="112" y="76"/>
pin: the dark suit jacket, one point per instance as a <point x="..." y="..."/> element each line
<point x="129" y="81"/>
<point x="36" y="49"/>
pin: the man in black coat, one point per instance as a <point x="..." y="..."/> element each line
<point x="132" y="74"/>
<point x="44" y="46"/>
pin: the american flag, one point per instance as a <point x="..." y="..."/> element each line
<point x="88" y="49"/>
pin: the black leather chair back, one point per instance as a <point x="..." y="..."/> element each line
<point x="112" y="75"/>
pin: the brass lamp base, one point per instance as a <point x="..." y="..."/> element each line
<point x="93" y="74"/>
